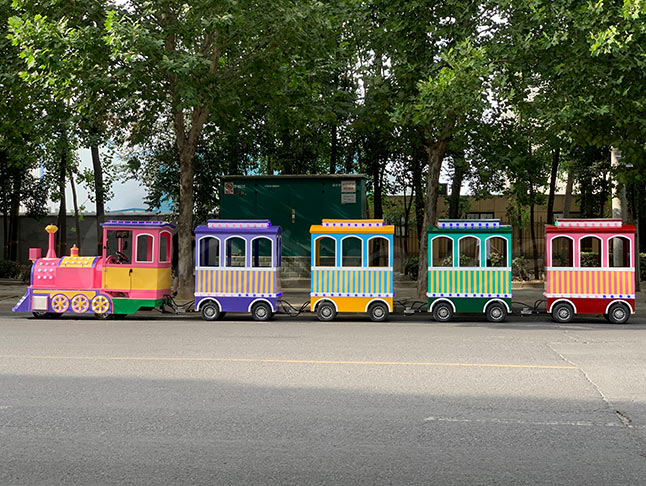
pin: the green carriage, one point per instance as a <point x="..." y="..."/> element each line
<point x="469" y="268"/>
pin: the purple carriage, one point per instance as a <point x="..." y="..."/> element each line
<point x="236" y="268"/>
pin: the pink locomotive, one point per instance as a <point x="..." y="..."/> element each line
<point x="133" y="272"/>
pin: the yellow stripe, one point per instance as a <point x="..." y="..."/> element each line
<point x="287" y="361"/>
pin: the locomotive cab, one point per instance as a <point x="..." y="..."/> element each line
<point x="137" y="259"/>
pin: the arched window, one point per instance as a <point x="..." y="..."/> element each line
<point x="351" y="252"/>
<point x="325" y="248"/>
<point x="496" y="248"/>
<point x="590" y="251"/>
<point x="619" y="252"/>
<point x="236" y="252"/>
<point x="378" y="252"/>
<point x="164" y="247"/>
<point x="469" y="251"/>
<point x="261" y="251"/>
<point x="144" y="249"/>
<point x="562" y="252"/>
<point x="442" y="252"/>
<point x="209" y="252"/>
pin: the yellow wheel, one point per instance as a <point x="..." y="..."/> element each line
<point x="80" y="303"/>
<point x="60" y="303"/>
<point x="100" y="305"/>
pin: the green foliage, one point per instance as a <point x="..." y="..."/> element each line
<point x="519" y="269"/>
<point x="642" y="266"/>
<point x="411" y="267"/>
<point x="9" y="269"/>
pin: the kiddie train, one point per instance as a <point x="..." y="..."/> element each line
<point x="589" y="269"/>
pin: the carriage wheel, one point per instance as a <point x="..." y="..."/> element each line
<point x="618" y="313"/>
<point x="80" y="303"/>
<point x="563" y="312"/>
<point x="378" y="312"/>
<point x="443" y="312"/>
<point x="326" y="311"/>
<point x="100" y="306"/>
<point x="496" y="312"/>
<point x="261" y="311"/>
<point x="60" y="303"/>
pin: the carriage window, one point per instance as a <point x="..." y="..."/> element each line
<point x="442" y="248"/>
<point x="619" y="252"/>
<point x="209" y="252"/>
<point x="261" y="252"/>
<point x="378" y="252"/>
<point x="496" y="252"/>
<point x="562" y="252"/>
<point x="351" y="252"/>
<point x="590" y="251"/>
<point x="236" y="252"/>
<point x="164" y="247"/>
<point x="469" y="252"/>
<point x="325" y="252"/>
<point x="118" y="246"/>
<point x="144" y="249"/>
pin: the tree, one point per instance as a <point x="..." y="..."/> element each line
<point x="191" y="62"/>
<point x="65" y="52"/>
<point x="445" y="103"/>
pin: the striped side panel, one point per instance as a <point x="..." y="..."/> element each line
<point x="593" y="282"/>
<point x="469" y="281"/>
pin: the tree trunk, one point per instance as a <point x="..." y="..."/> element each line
<point x="62" y="209"/>
<point x="77" y="218"/>
<point x="532" y="231"/>
<point x="14" y="218"/>
<point x="435" y="157"/>
<point x="378" y="205"/>
<point x="550" y="199"/>
<point x="418" y="193"/>
<point x="334" y="148"/>
<point x="567" y="200"/>
<point x="98" y="196"/>
<point x="456" y="187"/>
<point x="187" y="144"/>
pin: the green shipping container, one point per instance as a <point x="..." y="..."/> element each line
<point x="294" y="202"/>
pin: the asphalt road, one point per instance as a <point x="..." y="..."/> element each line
<point x="154" y="400"/>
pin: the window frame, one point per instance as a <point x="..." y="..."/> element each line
<point x="479" y="252"/>
<point x="436" y="237"/>
<point x="361" y="253"/>
<point x="199" y="253"/>
<point x="271" y="251"/>
<point x="152" y="248"/>
<point x="226" y="252"/>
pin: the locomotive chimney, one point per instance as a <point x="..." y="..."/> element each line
<point x="51" y="229"/>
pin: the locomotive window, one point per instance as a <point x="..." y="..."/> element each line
<point x="351" y="252"/>
<point x="325" y="248"/>
<point x="144" y="249"/>
<point x="164" y="247"/>
<point x="496" y="252"/>
<point x="236" y="252"/>
<point x="562" y="252"/>
<point x="209" y="252"/>
<point x="261" y="250"/>
<point x="590" y="251"/>
<point x="469" y="251"/>
<point x="118" y="246"/>
<point x="619" y="252"/>
<point x="378" y="249"/>
<point x="442" y="248"/>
